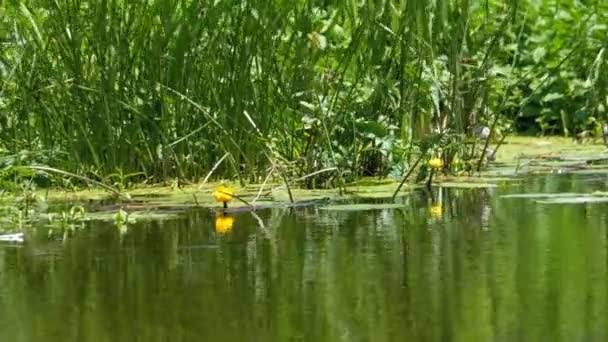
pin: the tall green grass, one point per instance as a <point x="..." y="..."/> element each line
<point x="169" y="87"/>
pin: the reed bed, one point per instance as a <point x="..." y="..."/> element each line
<point x="167" y="88"/>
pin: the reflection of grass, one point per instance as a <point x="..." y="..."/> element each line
<point x="370" y="274"/>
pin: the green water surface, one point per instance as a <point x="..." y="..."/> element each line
<point x="483" y="268"/>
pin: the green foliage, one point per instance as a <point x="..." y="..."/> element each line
<point x="562" y="50"/>
<point x="166" y="88"/>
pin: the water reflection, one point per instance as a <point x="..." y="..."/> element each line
<point x="223" y="223"/>
<point x="460" y="265"/>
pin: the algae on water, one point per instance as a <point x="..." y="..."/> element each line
<point x="516" y="157"/>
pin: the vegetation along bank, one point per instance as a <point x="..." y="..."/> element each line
<point x="318" y="93"/>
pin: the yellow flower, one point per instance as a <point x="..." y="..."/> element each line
<point x="223" y="224"/>
<point x="223" y="194"/>
<point x="436" y="210"/>
<point x="435" y="163"/>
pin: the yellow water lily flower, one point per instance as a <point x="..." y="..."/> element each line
<point x="223" y="194"/>
<point x="223" y="224"/>
<point x="435" y="163"/>
<point x="436" y="210"/>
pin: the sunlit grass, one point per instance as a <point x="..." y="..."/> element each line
<point x="169" y="88"/>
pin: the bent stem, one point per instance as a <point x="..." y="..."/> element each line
<point x="217" y="164"/>
<point x="430" y="180"/>
<point x="234" y="196"/>
<point x="407" y="175"/>
<point x="286" y="185"/>
<point x="82" y="178"/>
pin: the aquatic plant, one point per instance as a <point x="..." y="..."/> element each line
<point x="155" y="91"/>
<point x="435" y="163"/>
<point x="223" y="194"/>
<point x="68" y="221"/>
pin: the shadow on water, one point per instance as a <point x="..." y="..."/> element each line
<point x="464" y="265"/>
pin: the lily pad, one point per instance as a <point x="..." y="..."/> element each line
<point x="559" y="195"/>
<point x="575" y="200"/>
<point x="466" y="185"/>
<point x="545" y="195"/>
<point x="361" y="206"/>
<point x="525" y="155"/>
<point x="591" y="171"/>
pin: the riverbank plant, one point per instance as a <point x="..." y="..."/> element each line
<point x="126" y="92"/>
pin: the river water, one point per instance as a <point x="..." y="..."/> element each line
<point x="454" y="265"/>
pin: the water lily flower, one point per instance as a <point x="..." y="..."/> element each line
<point x="435" y="163"/>
<point x="223" y="224"/>
<point x="223" y="194"/>
<point x="436" y="210"/>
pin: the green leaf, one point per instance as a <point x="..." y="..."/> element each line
<point x="361" y="206"/>
<point x="552" y="97"/>
<point x="538" y="54"/>
<point x="504" y="70"/>
<point x="575" y="200"/>
<point x="34" y="26"/>
<point x="372" y="128"/>
<point x="544" y="195"/>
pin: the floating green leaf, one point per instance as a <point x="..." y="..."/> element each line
<point x="575" y="200"/>
<point x="545" y="195"/>
<point x="467" y="185"/>
<point x="362" y="206"/>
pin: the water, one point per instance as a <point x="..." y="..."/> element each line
<point x="483" y="268"/>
